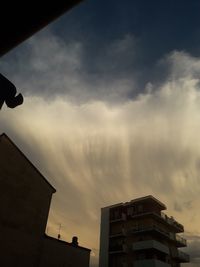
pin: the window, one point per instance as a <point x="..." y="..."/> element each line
<point x="140" y="208"/>
<point x="141" y="256"/>
<point x="130" y="211"/>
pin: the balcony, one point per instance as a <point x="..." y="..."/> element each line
<point x="180" y="256"/>
<point x="150" y="263"/>
<point x="169" y="220"/>
<point x="149" y="244"/>
<point x="180" y="241"/>
<point x="120" y="218"/>
<point x="149" y="228"/>
<point x="119" y="234"/>
<point x="117" y="249"/>
<point x="172" y="222"/>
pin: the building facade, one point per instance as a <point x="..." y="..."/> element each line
<point x="139" y="234"/>
<point x="25" y="198"/>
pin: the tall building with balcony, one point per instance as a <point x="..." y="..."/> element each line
<point x="139" y="234"/>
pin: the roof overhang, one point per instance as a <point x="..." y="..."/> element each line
<point x="19" y="21"/>
<point x="152" y="199"/>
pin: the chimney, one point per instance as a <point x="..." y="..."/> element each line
<point x="75" y="241"/>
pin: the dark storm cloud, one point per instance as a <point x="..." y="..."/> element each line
<point x="162" y="25"/>
<point x="52" y="68"/>
<point x="99" y="44"/>
<point x="158" y="26"/>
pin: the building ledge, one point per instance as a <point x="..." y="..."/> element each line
<point x="151" y="263"/>
<point x="181" y="256"/>
<point x="150" y="244"/>
<point x="65" y="242"/>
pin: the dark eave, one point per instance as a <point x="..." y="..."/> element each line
<point x="149" y="198"/>
<point x="21" y="19"/>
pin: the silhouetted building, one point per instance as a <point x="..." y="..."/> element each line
<point x="139" y="234"/>
<point x="25" y="197"/>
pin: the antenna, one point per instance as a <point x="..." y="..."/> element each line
<point x="59" y="230"/>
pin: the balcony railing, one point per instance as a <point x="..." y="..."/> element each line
<point x="118" y="249"/>
<point x="151" y="227"/>
<point x="150" y="244"/>
<point x="181" y="256"/>
<point x="121" y="217"/>
<point x="172" y="221"/>
<point x="150" y="263"/>
<point x="163" y="216"/>
<point x="118" y="234"/>
<point x="180" y="240"/>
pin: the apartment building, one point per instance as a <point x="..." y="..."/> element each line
<point x="139" y="234"/>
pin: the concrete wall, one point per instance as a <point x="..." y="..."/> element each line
<point x="24" y="206"/>
<point x="18" y="249"/>
<point x="25" y="197"/>
<point x="104" y="238"/>
<point x="58" y="253"/>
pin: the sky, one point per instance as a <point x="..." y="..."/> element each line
<point x="112" y="112"/>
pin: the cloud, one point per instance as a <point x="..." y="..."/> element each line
<point x="98" y="152"/>
<point x="180" y="206"/>
<point x="193" y="249"/>
<point x="112" y="73"/>
<point x="53" y="67"/>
